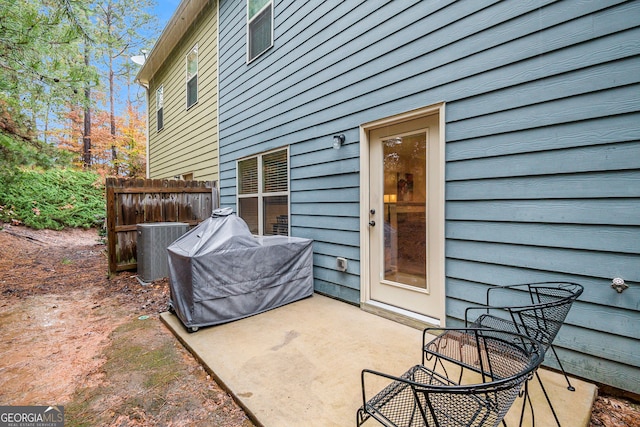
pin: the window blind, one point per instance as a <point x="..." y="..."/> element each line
<point x="274" y="172"/>
<point x="248" y="176"/>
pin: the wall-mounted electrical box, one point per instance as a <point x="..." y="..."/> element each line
<point x="341" y="264"/>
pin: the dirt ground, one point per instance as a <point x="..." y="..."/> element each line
<point x="73" y="337"/>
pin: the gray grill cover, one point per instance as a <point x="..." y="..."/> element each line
<point x="220" y="272"/>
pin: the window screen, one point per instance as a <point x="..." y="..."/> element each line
<point x="259" y="27"/>
<point x="192" y="77"/>
<point x="160" y="108"/>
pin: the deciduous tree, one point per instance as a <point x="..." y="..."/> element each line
<point x="54" y="55"/>
<point x="119" y="23"/>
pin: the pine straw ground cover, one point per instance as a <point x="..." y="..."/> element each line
<point x="95" y="345"/>
<point x="73" y="337"/>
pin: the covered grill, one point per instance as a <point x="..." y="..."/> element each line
<point x="220" y="272"/>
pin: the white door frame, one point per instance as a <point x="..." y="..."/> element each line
<point x="436" y="236"/>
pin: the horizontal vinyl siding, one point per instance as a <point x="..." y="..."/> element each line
<point x="543" y="183"/>
<point x="542" y="143"/>
<point x="188" y="143"/>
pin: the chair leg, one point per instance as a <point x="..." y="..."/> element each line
<point x="570" y="387"/>
<point x="548" y="400"/>
<point x="526" y="398"/>
<point x="360" y="417"/>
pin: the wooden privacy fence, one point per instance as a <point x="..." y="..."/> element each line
<point x="137" y="201"/>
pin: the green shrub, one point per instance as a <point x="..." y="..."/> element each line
<point x="55" y="198"/>
<point x="16" y="153"/>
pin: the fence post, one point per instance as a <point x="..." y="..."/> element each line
<point x="111" y="226"/>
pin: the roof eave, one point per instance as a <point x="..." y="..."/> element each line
<point x="185" y="14"/>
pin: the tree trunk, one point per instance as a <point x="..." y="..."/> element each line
<point x="112" y="115"/>
<point x="46" y="123"/>
<point x="86" y="134"/>
<point x="86" y="138"/>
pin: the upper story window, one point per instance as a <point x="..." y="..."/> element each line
<point x="192" y="77"/>
<point x="259" y="27"/>
<point x="159" y="108"/>
<point x="263" y="192"/>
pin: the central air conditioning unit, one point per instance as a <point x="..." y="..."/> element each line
<point x="152" y="242"/>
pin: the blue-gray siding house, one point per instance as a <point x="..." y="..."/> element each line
<point x="485" y="143"/>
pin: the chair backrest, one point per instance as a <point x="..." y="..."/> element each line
<point x="480" y="373"/>
<point x="550" y="304"/>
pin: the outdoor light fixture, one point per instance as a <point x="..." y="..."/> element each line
<point x="338" y="140"/>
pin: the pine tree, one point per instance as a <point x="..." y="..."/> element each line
<point x="119" y="23"/>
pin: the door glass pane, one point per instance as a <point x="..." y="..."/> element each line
<point x="405" y="233"/>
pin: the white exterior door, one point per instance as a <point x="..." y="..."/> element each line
<point x="405" y="219"/>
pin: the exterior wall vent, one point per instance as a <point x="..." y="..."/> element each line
<point x="153" y="240"/>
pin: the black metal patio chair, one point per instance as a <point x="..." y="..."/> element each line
<point x="468" y="377"/>
<point x="537" y="310"/>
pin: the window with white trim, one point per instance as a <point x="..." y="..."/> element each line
<point x="259" y="27"/>
<point x="159" y="108"/>
<point x="263" y="192"/>
<point x="192" y="77"/>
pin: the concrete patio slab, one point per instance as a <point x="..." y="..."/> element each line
<point x="299" y="365"/>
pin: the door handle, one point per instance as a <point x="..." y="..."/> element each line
<point x="372" y="223"/>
